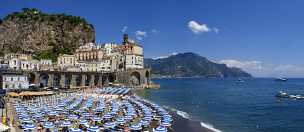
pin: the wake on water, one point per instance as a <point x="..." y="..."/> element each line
<point x="187" y="116"/>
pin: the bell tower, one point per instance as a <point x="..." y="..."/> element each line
<point x="125" y="39"/>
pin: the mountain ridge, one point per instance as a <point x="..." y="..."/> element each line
<point x="190" y="64"/>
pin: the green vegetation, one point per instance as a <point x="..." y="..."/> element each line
<point x="33" y="14"/>
<point x="51" y="54"/>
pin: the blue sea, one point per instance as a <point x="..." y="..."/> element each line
<point x="228" y="106"/>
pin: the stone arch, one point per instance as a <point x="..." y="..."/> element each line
<point x="78" y="80"/>
<point x="43" y="80"/>
<point x="105" y="79"/>
<point x="87" y="80"/>
<point x="31" y="78"/>
<point x="96" y="79"/>
<point x="147" y="77"/>
<point x="135" y="78"/>
<point x="112" y="78"/>
<point x="56" y="81"/>
<point x="67" y="81"/>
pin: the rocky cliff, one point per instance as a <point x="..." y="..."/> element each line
<point x="46" y="35"/>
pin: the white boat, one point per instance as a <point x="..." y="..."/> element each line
<point x="280" y="79"/>
<point x="282" y="94"/>
<point x="240" y="80"/>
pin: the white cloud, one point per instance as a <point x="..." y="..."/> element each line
<point x="124" y="29"/>
<point x="242" y="64"/>
<point x="140" y="35"/>
<point x="166" y="56"/>
<point x="197" y="28"/>
<point x="154" y="31"/>
<point x="259" y="69"/>
<point x="291" y="70"/>
<point x="216" y="30"/>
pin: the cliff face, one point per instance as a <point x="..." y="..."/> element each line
<point x="32" y="30"/>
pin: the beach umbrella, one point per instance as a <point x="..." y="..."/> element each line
<point x="165" y="124"/>
<point x="23" y="115"/>
<point x="29" y="126"/>
<point x="99" y="109"/>
<point x="136" y="127"/>
<point x="166" y="115"/>
<point x="73" y="117"/>
<point x="59" y="109"/>
<point x="75" y="130"/>
<point x="167" y="119"/>
<point x="147" y="118"/>
<point x="48" y="125"/>
<point x="53" y="113"/>
<point x="96" y="118"/>
<point x="120" y="121"/>
<point x="128" y="117"/>
<point x="109" y="125"/>
<point x="60" y="105"/>
<point x="37" y="116"/>
<point x="27" y="120"/>
<point x="94" y="129"/>
<point x="66" y="123"/>
<point x="77" y="111"/>
<point x="160" y="129"/>
<point x="107" y="116"/>
<point x="86" y="114"/>
<point x="145" y="122"/>
<point x="83" y="122"/>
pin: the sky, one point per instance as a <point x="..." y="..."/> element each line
<point x="263" y="37"/>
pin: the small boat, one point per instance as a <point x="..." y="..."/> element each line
<point x="299" y="97"/>
<point x="240" y="80"/>
<point x="281" y="79"/>
<point x="282" y="94"/>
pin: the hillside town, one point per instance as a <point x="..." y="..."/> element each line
<point x="90" y="57"/>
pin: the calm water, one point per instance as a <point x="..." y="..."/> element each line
<point x="233" y="107"/>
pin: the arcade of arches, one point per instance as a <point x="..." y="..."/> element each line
<point x="79" y="79"/>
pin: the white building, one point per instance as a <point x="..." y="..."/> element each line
<point x="45" y="62"/>
<point x="15" y="63"/>
<point x="108" y="47"/>
<point x="29" y="65"/>
<point x="46" y="65"/>
<point x="65" y="60"/>
<point x="105" y="65"/>
<point x="14" y="81"/>
<point x="134" y="61"/>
